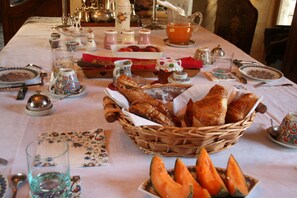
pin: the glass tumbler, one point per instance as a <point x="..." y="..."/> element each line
<point x="62" y="58"/>
<point x="48" y="169"/>
<point x="222" y="66"/>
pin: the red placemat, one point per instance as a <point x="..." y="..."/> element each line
<point x="141" y="64"/>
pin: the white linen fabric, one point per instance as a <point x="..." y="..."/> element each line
<point x="274" y="165"/>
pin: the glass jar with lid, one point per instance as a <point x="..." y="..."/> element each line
<point x="128" y="37"/>
<point x="110" y="38"/>
<point x="144" y="37"/>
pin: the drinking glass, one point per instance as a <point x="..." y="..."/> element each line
<point x="62" y="58"/>
<point x="48" y="169"/>
<point x="222" y="66"/>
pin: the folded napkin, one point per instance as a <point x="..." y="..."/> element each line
<point x="86" y="149"/>
<point x="150" y="64"/>
<point x="214" y="78"/>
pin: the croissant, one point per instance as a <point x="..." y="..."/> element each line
<point x="211" y="110"/>
<point x="239" y="108"/>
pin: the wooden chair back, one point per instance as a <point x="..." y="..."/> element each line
<point x="236" y="22"/>
<point x="13" y="17"/>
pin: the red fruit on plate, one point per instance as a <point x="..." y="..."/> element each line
<point x="125" y="49"/>
<point x="151" y="49"/>
<point x="134" y="48"/>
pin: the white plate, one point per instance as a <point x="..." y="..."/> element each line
<point x="12" y="75"/>
<point x="82" y="92"/>
<point x="148" y="188"/>
<point x="191" y="44"/>
<point x="3" y="186"/>
<point x="261" y="73"/>
<point x="39" y="113"/>
<point x="268" y="133"/>
<point x="141" y="55"/>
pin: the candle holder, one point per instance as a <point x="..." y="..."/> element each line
<point x="154" y="23"/>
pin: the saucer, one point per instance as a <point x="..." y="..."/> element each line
<point x="82" y="92"/>
<point x="39" y="113"/>
<point x="191" y="44"/>
<point x="268" y="132"/>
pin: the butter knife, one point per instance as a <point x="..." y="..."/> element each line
<point x="240" y="78"/>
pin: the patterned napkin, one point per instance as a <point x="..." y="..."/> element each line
<point x="86" y="149"/>
<point x="212" y="77"/>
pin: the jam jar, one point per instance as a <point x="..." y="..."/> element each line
<point x="144" y="37"/>
<point x="110" y="38"/>
<point x="165" y="67"/>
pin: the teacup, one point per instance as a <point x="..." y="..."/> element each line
<point x="203" y="54"/>
<point x="287" y="131"/>
<point x="66" y="82"/>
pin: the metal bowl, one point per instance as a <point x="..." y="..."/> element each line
<point x="101" y="15"/>
<point x="39" y="102"/>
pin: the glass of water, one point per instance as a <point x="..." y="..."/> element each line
<point x="222" y="66"/>
<point x="48" y="169"/>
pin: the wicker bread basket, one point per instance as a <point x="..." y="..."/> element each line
<point x="177" y="141"/>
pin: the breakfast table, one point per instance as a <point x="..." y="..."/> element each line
<point x="274" y="165"/>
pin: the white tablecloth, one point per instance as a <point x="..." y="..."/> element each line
<point x="274" y="165"/>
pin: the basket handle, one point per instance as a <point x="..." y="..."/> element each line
<point x="111" y="110"/>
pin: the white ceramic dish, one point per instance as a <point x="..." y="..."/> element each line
<point x="39" y="113"/>
<point x="12" y="75"/>
<point x="268" y="133"/>
<point x="147" y="187"/>
<point x="82" y="92"/>
<point x="142" y="55"/>
<point x="3" y="186"/>
<point x="191" y="44"/>
<point x="261" y="73"/>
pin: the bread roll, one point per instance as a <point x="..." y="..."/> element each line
<point x="211" y="110"/>
<point x="239" y="108"/>
<point x="143" y="104"/>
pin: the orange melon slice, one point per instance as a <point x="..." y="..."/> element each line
<point x="183" y="176"/>
<point x="236" y="182"/>
<point x="164" y="185"/>
<point x="209" y="177"/>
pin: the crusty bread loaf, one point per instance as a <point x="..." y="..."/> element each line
<point x="211" y="110"/>
<point x="143" y="104"/>
<point x="239" y="108"/>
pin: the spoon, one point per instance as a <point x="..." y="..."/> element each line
<point x="16" y="181"/>
<point x="274" y="129"/>
<point x="74" y="93"/>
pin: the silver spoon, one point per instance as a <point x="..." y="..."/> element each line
<point x="16" y="181"/>
<point x="74" y="93"/>
<point x="274" y="129"/>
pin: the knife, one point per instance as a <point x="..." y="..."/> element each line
<point x="22" y="92"/>
<point x="240" y="78"/>
<point x="240" y="63"/>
